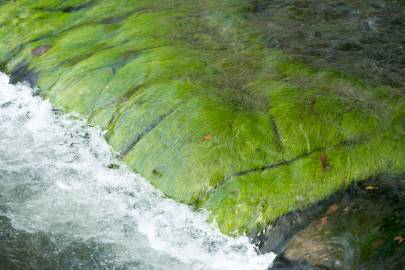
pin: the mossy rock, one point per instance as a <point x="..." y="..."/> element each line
<point x="194" y="99"/>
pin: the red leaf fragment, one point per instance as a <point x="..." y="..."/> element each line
<point x="324" y="162"/>
<point x="332" y="209"/>
<point x="207" y="137"/>
<point x="324" y="220"/>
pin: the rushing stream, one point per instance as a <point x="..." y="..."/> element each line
<point x="66" y="202"/>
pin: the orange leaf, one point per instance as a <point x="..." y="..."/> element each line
<point x="332" y="209"/>
<point x="321" y="223"/>
<point x="207" y="137"/>
<point x="399" y="239"/>
<point x="324" y="162"/>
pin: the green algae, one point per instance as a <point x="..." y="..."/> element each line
<point x="196" y="142"/>
<point x="193" y="99"/>
<point x="265" y="195"/>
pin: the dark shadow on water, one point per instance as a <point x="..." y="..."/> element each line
<point x="361" y="38"/>
<point x="21" y="250"/>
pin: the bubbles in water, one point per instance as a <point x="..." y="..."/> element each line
<point x="60" y="177"/>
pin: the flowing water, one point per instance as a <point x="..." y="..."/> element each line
<point x="66" y="202"/>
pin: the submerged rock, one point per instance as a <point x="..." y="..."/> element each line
<point x="193" y="97"/>
<point x="362" y="38"/>
<point x="361" y="227"/>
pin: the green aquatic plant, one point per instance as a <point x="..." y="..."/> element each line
<point x="193" y="99"/>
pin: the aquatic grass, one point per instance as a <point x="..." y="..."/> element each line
<point x="265" y="195"/>
<point x="192" y="98"/>
<point x="205" y="140"/>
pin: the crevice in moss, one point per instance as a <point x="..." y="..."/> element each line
<point x="276" y="134"/>
<point x="274" y="165"/>
<point x="146" y="130"/>
<point x="117" y="111"/>
<point x="58" y="33"/>
<point x="68" y="9"/>
<point x="120" y="18"/>
<point x="255" y="6"/>
<point x="270" y="166"/>
<point x="287" y="162"/>
<point x="14" y="52"/>
<point x="22" y="73"/>
<point x="77" y="8"/>
<point x="22" y="46"/>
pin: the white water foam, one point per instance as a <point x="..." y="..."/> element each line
<point x="56" y="177"/>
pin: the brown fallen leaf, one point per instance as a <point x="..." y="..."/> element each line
<point x="324" y="162"/>
<point x="321" y="223"/>
<point x="207" y="137"/>
<point x="399" y="239"/>
<point x="332" y="209"/>
<point x="377" y="243"/>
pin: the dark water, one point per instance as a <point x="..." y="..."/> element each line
<point x="364" y="38"/>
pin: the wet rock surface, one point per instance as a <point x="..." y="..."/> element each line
<point x="196" y="98"/>
<point x="365" y="38"/>
<point x="282" y="263"/>
<point x="361" y="227"/>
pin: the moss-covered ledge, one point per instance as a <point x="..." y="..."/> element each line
<point x="193" y="99"/>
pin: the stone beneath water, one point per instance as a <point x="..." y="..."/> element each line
<point x="361" y="227"/>
<point x="193" y="97"/>
<point x="363" y="38"/>
<point x="39" y="250"/>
